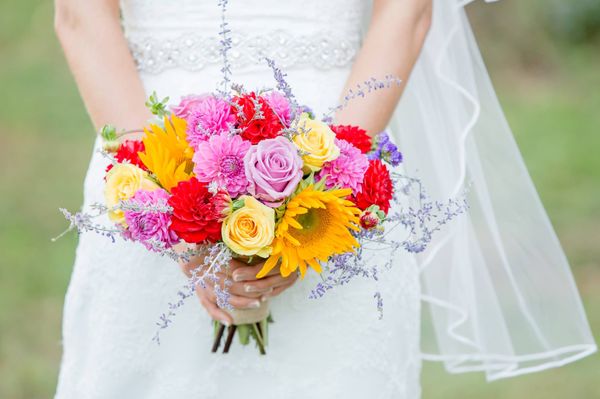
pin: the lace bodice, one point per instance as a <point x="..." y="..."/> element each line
<point x="183" y="33"/>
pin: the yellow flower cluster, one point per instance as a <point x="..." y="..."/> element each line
<point x="316" y="140"/>
<point x="122" y="181"/>
<point x="167" y="153"/>
<point x="250" y="230"/>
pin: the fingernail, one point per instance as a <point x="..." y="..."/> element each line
<point x="251" y="288"/>
<point x="238" y="277"/>
<point x="254" y="305"/>
<point x="264" y="298"/>
<point x="225" y="323"/>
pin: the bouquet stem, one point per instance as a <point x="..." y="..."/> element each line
<point x="257" y="331"/>
<point x="248" y="323"/>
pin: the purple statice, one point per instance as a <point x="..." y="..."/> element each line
<point x="347" y="170"/>
<point x="147" y="226"/>
<point x="386" y="150"/>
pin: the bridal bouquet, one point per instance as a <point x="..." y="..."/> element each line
<point x="255" y="176"/>
<point x="252" y="173"/>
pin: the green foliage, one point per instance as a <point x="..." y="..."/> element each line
<point x="156" y="106"/>
<point x="574" y="21"/>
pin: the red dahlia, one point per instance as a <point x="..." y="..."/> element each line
<point x="256" y="128"/>
<point x="377" y="187"/>
<point x="128" y="152"/>
<point x="197" y="213"/>
<point x="354" y="135"/>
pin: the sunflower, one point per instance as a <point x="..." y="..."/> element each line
<point x="315" y="225"/>
<point x="167" y="153"/>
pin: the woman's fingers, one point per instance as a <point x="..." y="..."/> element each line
<point x="211" y="307"/>
<point x="238" y="302"/>
<point x="266" y="283"/>
<point x="248" y="273"/>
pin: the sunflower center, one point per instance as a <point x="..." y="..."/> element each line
<point x="314" y="223"/>
<point x="230" y="165"/>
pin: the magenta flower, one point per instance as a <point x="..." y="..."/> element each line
<point x="347" y="170"/>
<point x="273" y="169"/>
<point x="280" y="105"/>
<point x="205" y="115"/>
<point x="221" y="160"/>
<point x="147" y="226"/>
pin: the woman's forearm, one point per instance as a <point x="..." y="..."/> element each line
<point x="99" y="58"/>
<point x="392" y="45"/>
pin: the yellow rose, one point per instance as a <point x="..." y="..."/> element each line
<point x="317" y="141"/>
<point x="122" y="182"/>
<point x="250" y="230"/>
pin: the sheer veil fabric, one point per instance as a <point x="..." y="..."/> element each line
<point x="497" y="289"/>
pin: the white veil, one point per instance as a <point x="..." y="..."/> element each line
<point x="497" y="288"/>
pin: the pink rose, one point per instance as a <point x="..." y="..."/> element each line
<point x="273" y="169"/>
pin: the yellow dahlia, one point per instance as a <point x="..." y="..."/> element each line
<point x="167" y="153"/>
<point x="316" y="225"/>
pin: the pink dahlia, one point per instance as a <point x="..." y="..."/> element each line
<point x="205" y="115"/>
<point x="221" y="160"/>
<point x="280" y="105"/>
<point x="347" y="170"/>
<point x="148" y="226"/>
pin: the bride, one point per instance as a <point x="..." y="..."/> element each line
<point x="496" y="289"/>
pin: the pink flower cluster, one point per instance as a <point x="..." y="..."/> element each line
<point x="150" y="227"/>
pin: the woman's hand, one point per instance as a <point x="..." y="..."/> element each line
<point x="246" y="291"/>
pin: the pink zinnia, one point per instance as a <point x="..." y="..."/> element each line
<point x="205" y="115"/>
<point x="221" y="160"/>
<point x="280" y="105"/>
<point x="147" y="225"/>
<point x="347" y="170"/>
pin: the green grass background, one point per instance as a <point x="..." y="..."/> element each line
<point x="551" y="95"/>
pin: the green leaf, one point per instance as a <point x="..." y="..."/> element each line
<point x="108" y="133"/>
<point x="158" y="108"/>
<point x="238" y="204"/>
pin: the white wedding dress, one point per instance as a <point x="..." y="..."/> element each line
<point x="318" y="348"/>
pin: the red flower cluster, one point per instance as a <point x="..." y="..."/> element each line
<point x="197" y="213"/>
<point x="377" y="187"/>
<point x="128" y="152"/>
<point x="354" y="135"/>
<point x="255" y="129"/>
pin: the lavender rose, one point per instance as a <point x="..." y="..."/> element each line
<point x="274" y="169"/>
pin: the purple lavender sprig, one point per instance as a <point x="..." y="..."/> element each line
<point x="216" y="260"/>
<point x="225" y="42"/>
<point x="420" y="221"/>
<point x="283" y="86"/>
<point x="360" y="90"/>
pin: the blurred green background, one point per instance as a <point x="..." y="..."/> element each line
<point x="544" y="57"/>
